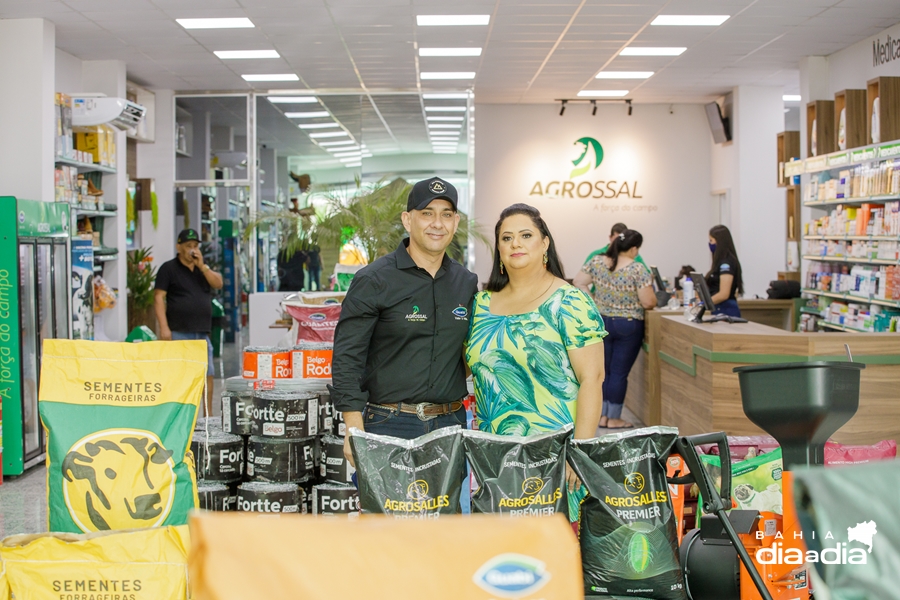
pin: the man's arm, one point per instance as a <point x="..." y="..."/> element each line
<point x="214" y="279"/>
<point x="159" y="306"/>
<point x="359" y="315"/>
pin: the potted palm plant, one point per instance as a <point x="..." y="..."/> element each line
<point x="140" y="277"/>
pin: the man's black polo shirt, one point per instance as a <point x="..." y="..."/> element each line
<point x="188" y="297"/>
<point x="401" y="333"/>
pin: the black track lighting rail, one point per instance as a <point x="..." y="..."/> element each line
<point x="563" y="102"/>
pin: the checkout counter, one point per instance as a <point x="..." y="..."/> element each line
<point x="684" y="375"/>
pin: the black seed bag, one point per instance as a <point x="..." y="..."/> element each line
<point x="629" y="546"/>
<point x="409" y="479"/>
<point x="518" y="475"/>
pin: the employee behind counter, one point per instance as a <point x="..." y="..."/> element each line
<point x="724" y="278"/>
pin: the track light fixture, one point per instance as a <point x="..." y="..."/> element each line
<point x="594" y="112"/>
<point x="562" y="107"/>
<point x="628" y="102"/>
<point x="563" y="102"/>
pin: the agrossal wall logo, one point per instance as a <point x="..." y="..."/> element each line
<point x="118" y="479"/>
<point x="590" y="155"/>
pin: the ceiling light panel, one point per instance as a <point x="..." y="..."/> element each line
<point x="343" y="143"/>
<point x="648" y="51"/>
<point x="307" y="115"/>
<point x="446" y="96"/>
<point x="624" y="74"/>
<point x="687" y="20"/>
<point x="328" y="134"/>
<point x="451" y="20"/>
<point x="356" y="164"/>
<point x="449" y="125"/>
<point x="292" y="99"/>
<point x="318" y="125"/>
<point x="215" y="23"/>
<point x="602" y="93"/>
<point x="238" y="54"/>
<point x="445" y="109"/>
<point x="448" y="75"/>
<point x="445" y="118"/>
<point x="449" y="51"/>
<point x="271" y="77"/>
<point x="791" y="98"/>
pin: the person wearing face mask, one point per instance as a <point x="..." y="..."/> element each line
<point x="535" y="344"/>
<point x="724" y="277"/>
<point x="398" y="368"/>
<point x="623" y="290"/>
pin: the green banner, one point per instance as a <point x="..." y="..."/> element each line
<point x="42" y="219"/>
<point x="10" y="358"/>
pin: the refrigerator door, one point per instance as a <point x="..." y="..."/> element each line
<point x="61" y="294"/>
<point x="28" y="301"/>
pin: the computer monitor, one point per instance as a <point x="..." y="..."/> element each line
<point x="662" y="296"/>
<point x="706" y="302"/>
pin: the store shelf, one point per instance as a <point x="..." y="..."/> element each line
<point x="871" y="199"/>
<point x="863" y="238"/>
<point x="182" y="153"/>
<point x="843" y="159"/>
<point x="858" y="261"/>
<point x="837" y="327"/>
<point x="60" y="160"/>
<point x="853" y="298"/>
<point x="105" y="257"/>
<point x="811" y="311"/>
<point x="86" y="212"/>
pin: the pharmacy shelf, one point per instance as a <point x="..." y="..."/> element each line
<point x="843" y="159"/>
<point x="852" y="298"/>
<point x="844" y="259"/>
<point x="835" y="202"/>
<point x="837" y="327"/>
<point x="863" y="238"/>
<point x="82" y="166"/>
<point x="86" y="212"/>
<point x="811" y="311"/>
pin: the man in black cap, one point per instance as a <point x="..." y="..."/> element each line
<point x="398" y="364"/>
<point x="182" y="297"/>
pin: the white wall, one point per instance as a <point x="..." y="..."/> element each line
<point x="667" y="154"/>
<point x="853" y="66"/>
<point x="157" y="161"/>
<point x="68" y="73"/>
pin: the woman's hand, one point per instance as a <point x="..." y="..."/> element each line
<point x="572" y="479"/>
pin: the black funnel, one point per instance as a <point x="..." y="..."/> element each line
<point x="801" y="404"/>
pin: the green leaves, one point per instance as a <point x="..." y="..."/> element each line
<point x="140" y="276"/>
<point x="499" y="368"/>
<point x="550" y="367"/>
<point x="514" y="425"/>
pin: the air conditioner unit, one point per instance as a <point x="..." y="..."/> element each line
<point x="99" y="110"/>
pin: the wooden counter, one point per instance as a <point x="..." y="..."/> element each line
<point x="699" y="392"/>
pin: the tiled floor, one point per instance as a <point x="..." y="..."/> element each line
<point x="23" y="500"/>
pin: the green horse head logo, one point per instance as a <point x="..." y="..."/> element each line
<point x="415" y="310"/>
<point x="586" y="162"/>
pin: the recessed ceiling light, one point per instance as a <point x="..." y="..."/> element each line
<point x="346" y="154"/>
<point x="791" y="98"/>
<point x="233" y="54"/>
<point x="646" y="51"/>
<point x="707" y="20"/>
<point x="215" y="23"/>
<point x="343" y="143"/>
<point x="624" y="74"/>
<point x="602" y="93"/>
<point x="356" y="164"/>
<point x="449" y="51"/>
<point x="271" y="77"/>
<point x="444" y="135"/>
<point x="440" y="20"/>
<point x="292" y="99"/>
<point x="445" y="96"/>
<point x="448" y="75"/>
<point x="307" y="115"/>
<point x="350" y="159"/>
<point x="328" y="134"/>
<point x="444" y="146"/>
<point x="439" y="151"/>
<point x="318" y="125"/>
<point x="445" y="118"/>
<point x="445" y="125"/>
<point x="445" y="109"/>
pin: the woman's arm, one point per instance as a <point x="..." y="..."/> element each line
<point x="583" y="282"/>
<point x="647" y="297"/>
<point x="587" y="362"/>
<point x="724" y="292"/>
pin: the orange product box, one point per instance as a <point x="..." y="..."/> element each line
<point x="309" y="363"/>
<point x="267" y="363"/>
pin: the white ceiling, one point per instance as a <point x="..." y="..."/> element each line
<point x="534" y="50"/>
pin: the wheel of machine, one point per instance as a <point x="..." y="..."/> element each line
<point x="712" y="569"/>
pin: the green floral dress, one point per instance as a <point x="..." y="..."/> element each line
<point x="524" y="381"/>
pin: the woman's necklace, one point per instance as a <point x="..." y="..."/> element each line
<point x="542" y="293"/>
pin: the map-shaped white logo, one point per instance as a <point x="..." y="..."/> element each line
<point x="863" y="533"/>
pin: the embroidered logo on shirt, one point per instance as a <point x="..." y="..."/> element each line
<point x="461" y="313"/>
<point x="415" y="316"/>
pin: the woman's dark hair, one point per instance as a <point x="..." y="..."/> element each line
<point x="499" y="280"/>
<point x="726" y="253"/>
<point x="618" y="228"/>
<point x="623" y="242"/>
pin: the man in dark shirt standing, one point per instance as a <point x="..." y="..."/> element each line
<point x="398" y="364"/>
<point x="182" y="297"/>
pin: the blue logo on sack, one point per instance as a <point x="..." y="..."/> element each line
<point x="330" y="301"/>
<point x="461" y="311"/>
<point x="317" y="317"/>
<point x="511" y="576"/>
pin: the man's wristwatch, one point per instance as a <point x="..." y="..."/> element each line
<point x="206" y="267"/>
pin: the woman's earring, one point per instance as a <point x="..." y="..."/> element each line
<point x="545" y="259"/>
<point x="501" y="267"/>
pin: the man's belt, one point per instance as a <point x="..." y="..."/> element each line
<point x="424" y="410"/>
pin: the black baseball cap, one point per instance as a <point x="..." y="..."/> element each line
<point x="188" y="235"/>
<point x="423" y="192"/>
